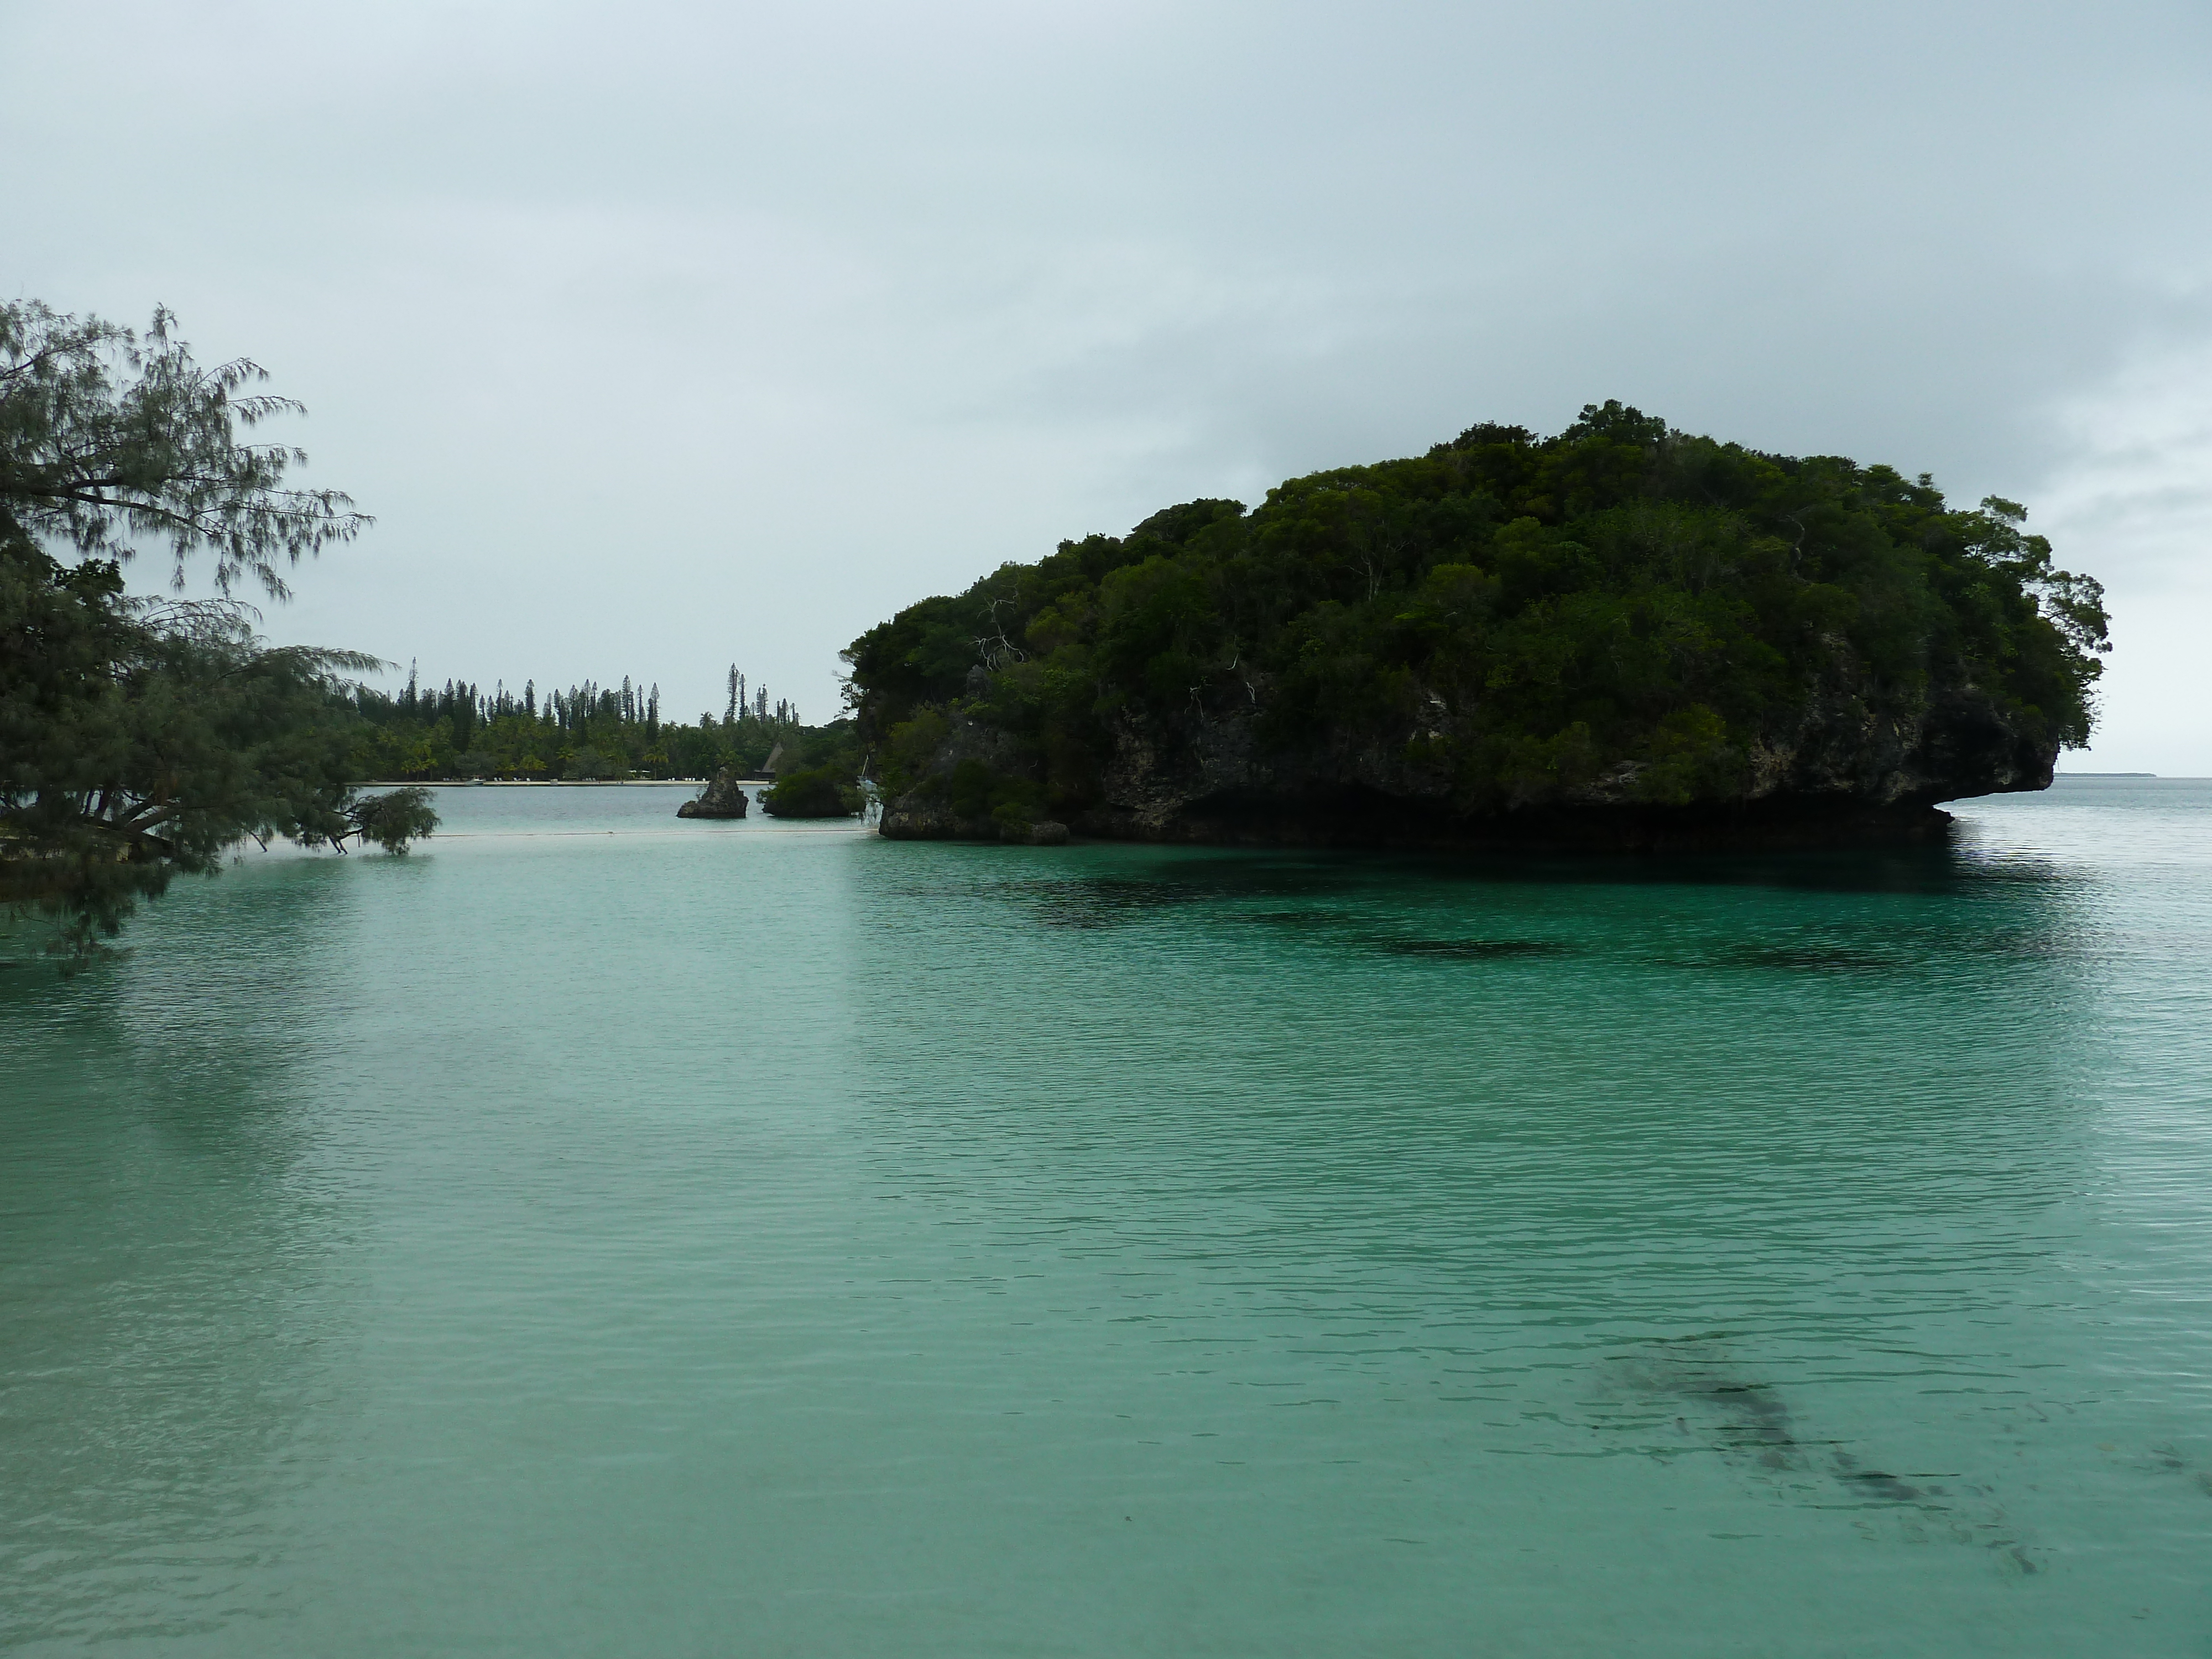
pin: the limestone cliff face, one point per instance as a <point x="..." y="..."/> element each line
<point x="1841" y="767"/>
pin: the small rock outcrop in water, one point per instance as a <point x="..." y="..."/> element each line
<point x="725" y="798"/>
<point x="1624" y="636"/>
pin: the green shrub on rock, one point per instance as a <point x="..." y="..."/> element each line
<point x="818" y="793"/>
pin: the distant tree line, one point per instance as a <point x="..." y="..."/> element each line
<point x="587" y="731"/>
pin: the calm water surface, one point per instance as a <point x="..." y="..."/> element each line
<point x="601" y="1235"/>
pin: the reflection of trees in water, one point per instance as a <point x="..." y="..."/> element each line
<point x="171" y="1312"/>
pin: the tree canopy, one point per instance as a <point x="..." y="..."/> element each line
<point x="107" y="440"/>
<point x="139" y="738"/>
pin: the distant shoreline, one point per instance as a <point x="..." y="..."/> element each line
<point x="546" y="783"/>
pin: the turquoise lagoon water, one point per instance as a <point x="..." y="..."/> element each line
<point x="597" y="1234"/>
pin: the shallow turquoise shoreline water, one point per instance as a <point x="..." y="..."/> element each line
<point x="598" y="1235"/>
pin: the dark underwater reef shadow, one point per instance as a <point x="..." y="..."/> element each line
<point x="1939" y="871"/>
<point x="2167" y="1458"/>
<point x="1106" y="901"/>
<point x="1810" y="957"/>
<point x="1150" y="876"/>
<point x="1347" y="926"/>
<point x="1470" y="949"/>
<point x="1330" y="897"/>
<point x="1355" y="902"/>
<point x="1719" y="1404"/>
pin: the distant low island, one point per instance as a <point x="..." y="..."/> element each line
<point x="590" y="733"/>
<point x="583" y="733"/>
<point x="1620" y="636"/>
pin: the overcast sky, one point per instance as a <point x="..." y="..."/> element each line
<point x="661" y="337"/>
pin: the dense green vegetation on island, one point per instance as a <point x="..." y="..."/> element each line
<point x="1514" y="619"/>
<point x="816" y="792"/>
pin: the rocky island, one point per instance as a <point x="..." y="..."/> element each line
<point x="725" y="798"/>
<point x="1623" y="637"/>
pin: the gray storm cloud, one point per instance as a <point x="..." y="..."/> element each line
<point x="661" y="337"/>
